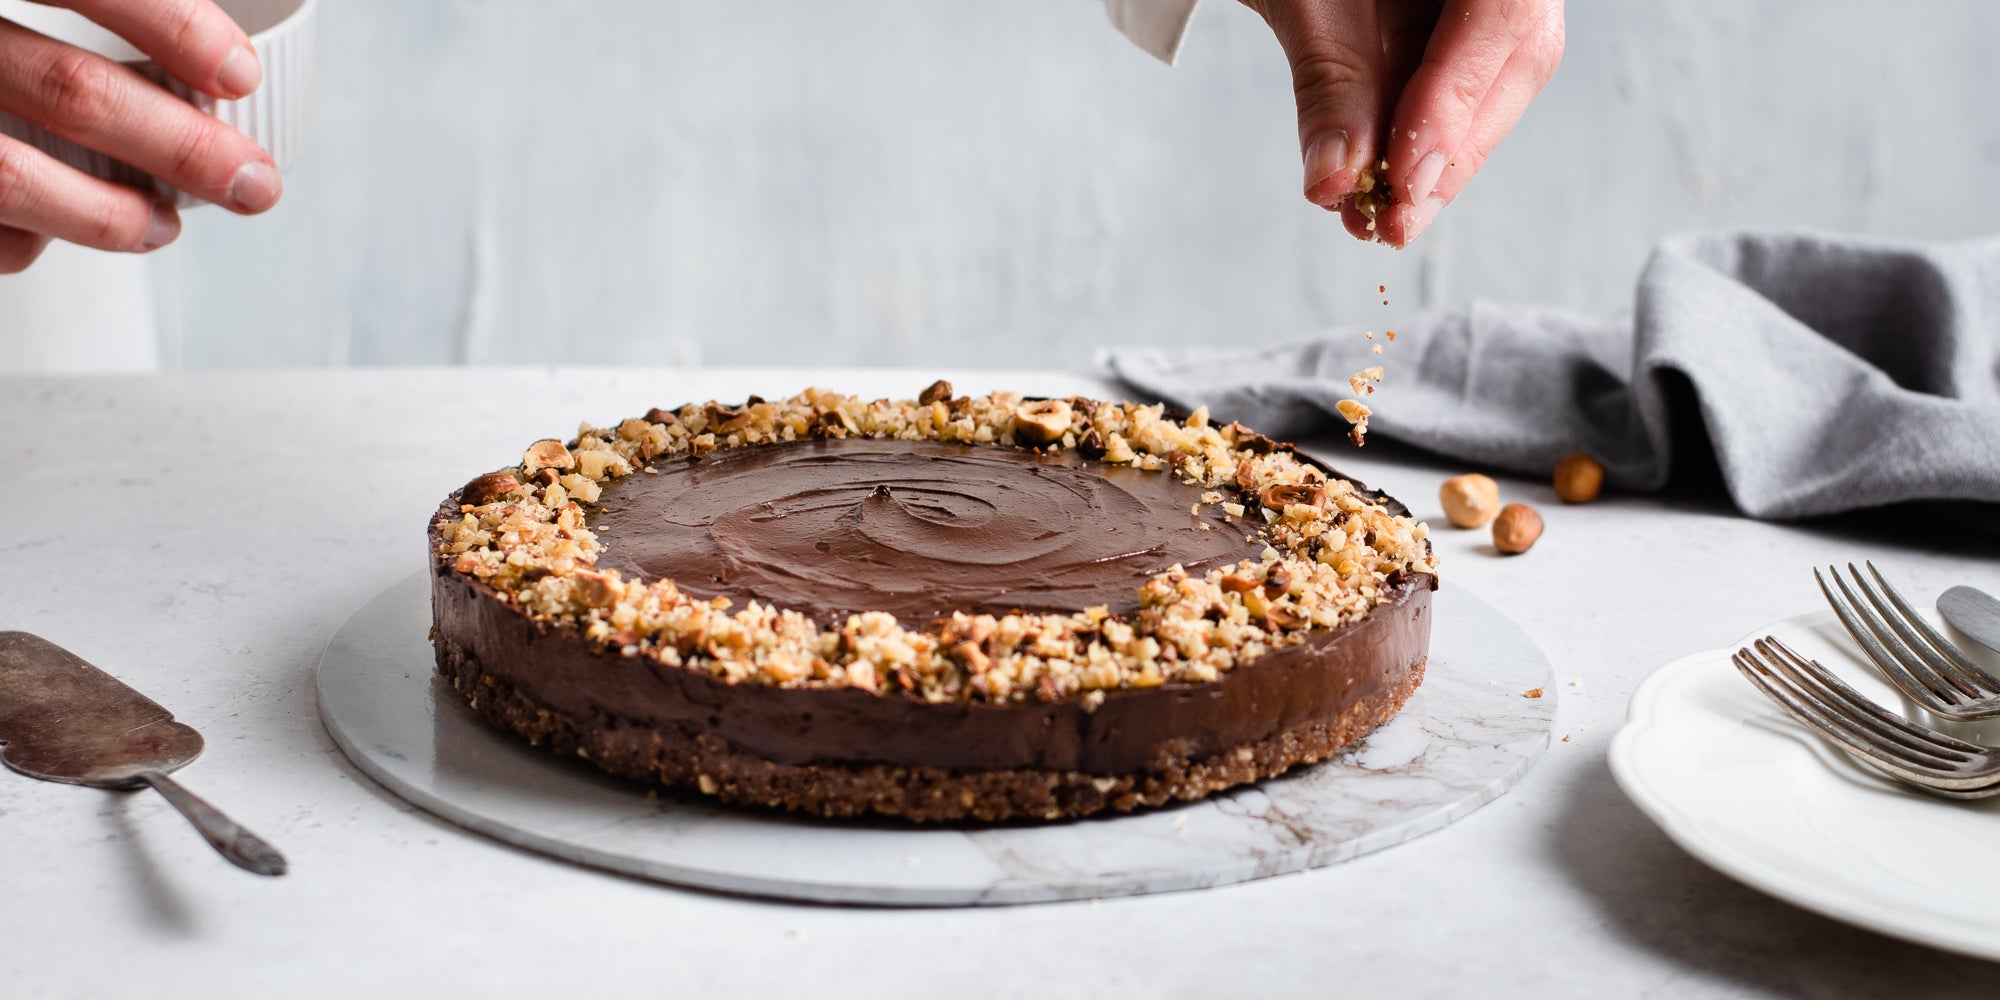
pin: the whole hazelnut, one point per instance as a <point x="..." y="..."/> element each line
<point x="1469" y="500"/>
<point x="1516" y="529"/>
<point x="488" y="488"/>
<point x="547" y="454"/>
<point x="1042" y="421"/>
<point x="1578" y="478"/>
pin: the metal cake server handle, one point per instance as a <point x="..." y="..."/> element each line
<point x="67" y="721"/>
<point x="230" y="839"/>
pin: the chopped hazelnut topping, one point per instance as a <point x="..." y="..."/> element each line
<point x="1332" y="553"/>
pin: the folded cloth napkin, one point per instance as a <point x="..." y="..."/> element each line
<point x="1829" y="373"/>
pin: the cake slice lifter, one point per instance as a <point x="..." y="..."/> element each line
<point x="64" y="720"/>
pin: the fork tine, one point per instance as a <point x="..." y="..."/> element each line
<point x="1927" y="691"/>
<point x="1949" y="660"/>
<point x="1865" y="725"/>
<point x="1905" y="643"/>
<point x="1819" y="723"/>
<point x="1940" y="743"/>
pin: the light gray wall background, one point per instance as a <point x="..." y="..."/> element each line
<point x="936" y="183"/>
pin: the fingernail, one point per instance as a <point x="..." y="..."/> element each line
<point x="1420" y="218"/>
<point x="161" y="228"/>
<point x="255" y="187"/>
<point x="1325" y="156"/>
<point x="240" y="72"/>
<point x="1424" y="176"/>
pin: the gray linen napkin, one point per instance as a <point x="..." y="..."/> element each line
<point x="1830" y="374"/>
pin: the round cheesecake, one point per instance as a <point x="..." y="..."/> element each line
<point x="940" y="609"/>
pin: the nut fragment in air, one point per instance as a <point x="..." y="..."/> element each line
<point x="1357" y="413"/>
<point x="547" y="454"/>
<point x="937" y="390"/>
<point x="1516" y="529"/>
<point x="1359" y="380"/>
<point x="1578" y="478"/>
<point x="1041" y="422"/>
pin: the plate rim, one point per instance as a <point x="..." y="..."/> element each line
<point x="1642" y="718"/>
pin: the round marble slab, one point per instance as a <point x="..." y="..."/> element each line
<point x="1468" y="735"/>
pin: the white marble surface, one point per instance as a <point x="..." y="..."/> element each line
<point x="203" y="536"/>
<point x="1467" y="736"/>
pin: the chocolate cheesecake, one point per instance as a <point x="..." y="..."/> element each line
<point x="950" y="608"/>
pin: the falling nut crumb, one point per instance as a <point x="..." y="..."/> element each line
<point x="1357" y="413"/>
<point x="1359" y="380"/>
<point x="1532" y="693"/>
<point x="938" y="390"/>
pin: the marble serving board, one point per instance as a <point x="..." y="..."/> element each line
<point x="1470" y="733"/>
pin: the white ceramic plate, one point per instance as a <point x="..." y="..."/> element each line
<point x="1738" y="784"/>
<point x="1465" y="737"/>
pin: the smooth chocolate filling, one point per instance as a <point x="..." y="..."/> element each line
<point x="916" y="529"/>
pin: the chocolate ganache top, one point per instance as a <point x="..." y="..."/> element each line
<point x="917" y="529"/>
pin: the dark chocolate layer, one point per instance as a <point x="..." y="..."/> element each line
<point x="917" y="529"/>
<point x="1132" y="730"/>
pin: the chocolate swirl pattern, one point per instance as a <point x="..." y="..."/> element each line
<point x="916" y="529"/>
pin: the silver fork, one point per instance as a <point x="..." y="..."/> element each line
<point x="1912" y="754"/>
<point x="1915" y="657"/>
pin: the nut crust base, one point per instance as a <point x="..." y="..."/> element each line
<point x="704" y="762"/>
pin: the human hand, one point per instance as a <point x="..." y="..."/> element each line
<point x="1441" y="81"/>
<point x="110" y="108"/>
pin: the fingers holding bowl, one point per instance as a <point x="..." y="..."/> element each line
<point x="44" y="198"/>
<point x="100" y="104"/>
<point x="194" y="40"/>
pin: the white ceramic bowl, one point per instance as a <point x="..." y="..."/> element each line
<point x="278" y="115"/>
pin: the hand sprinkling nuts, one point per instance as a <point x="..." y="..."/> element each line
<point x="1578" y="478"/>
<point x="1469" y="501"/>
<point x="1041" y="422"/>
<point x="1516" y="529"/>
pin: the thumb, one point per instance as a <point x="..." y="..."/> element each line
<point x="1339" y="73"/>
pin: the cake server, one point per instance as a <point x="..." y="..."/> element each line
<point x="62" y="719"/>
<point x="1973" y="612"/>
